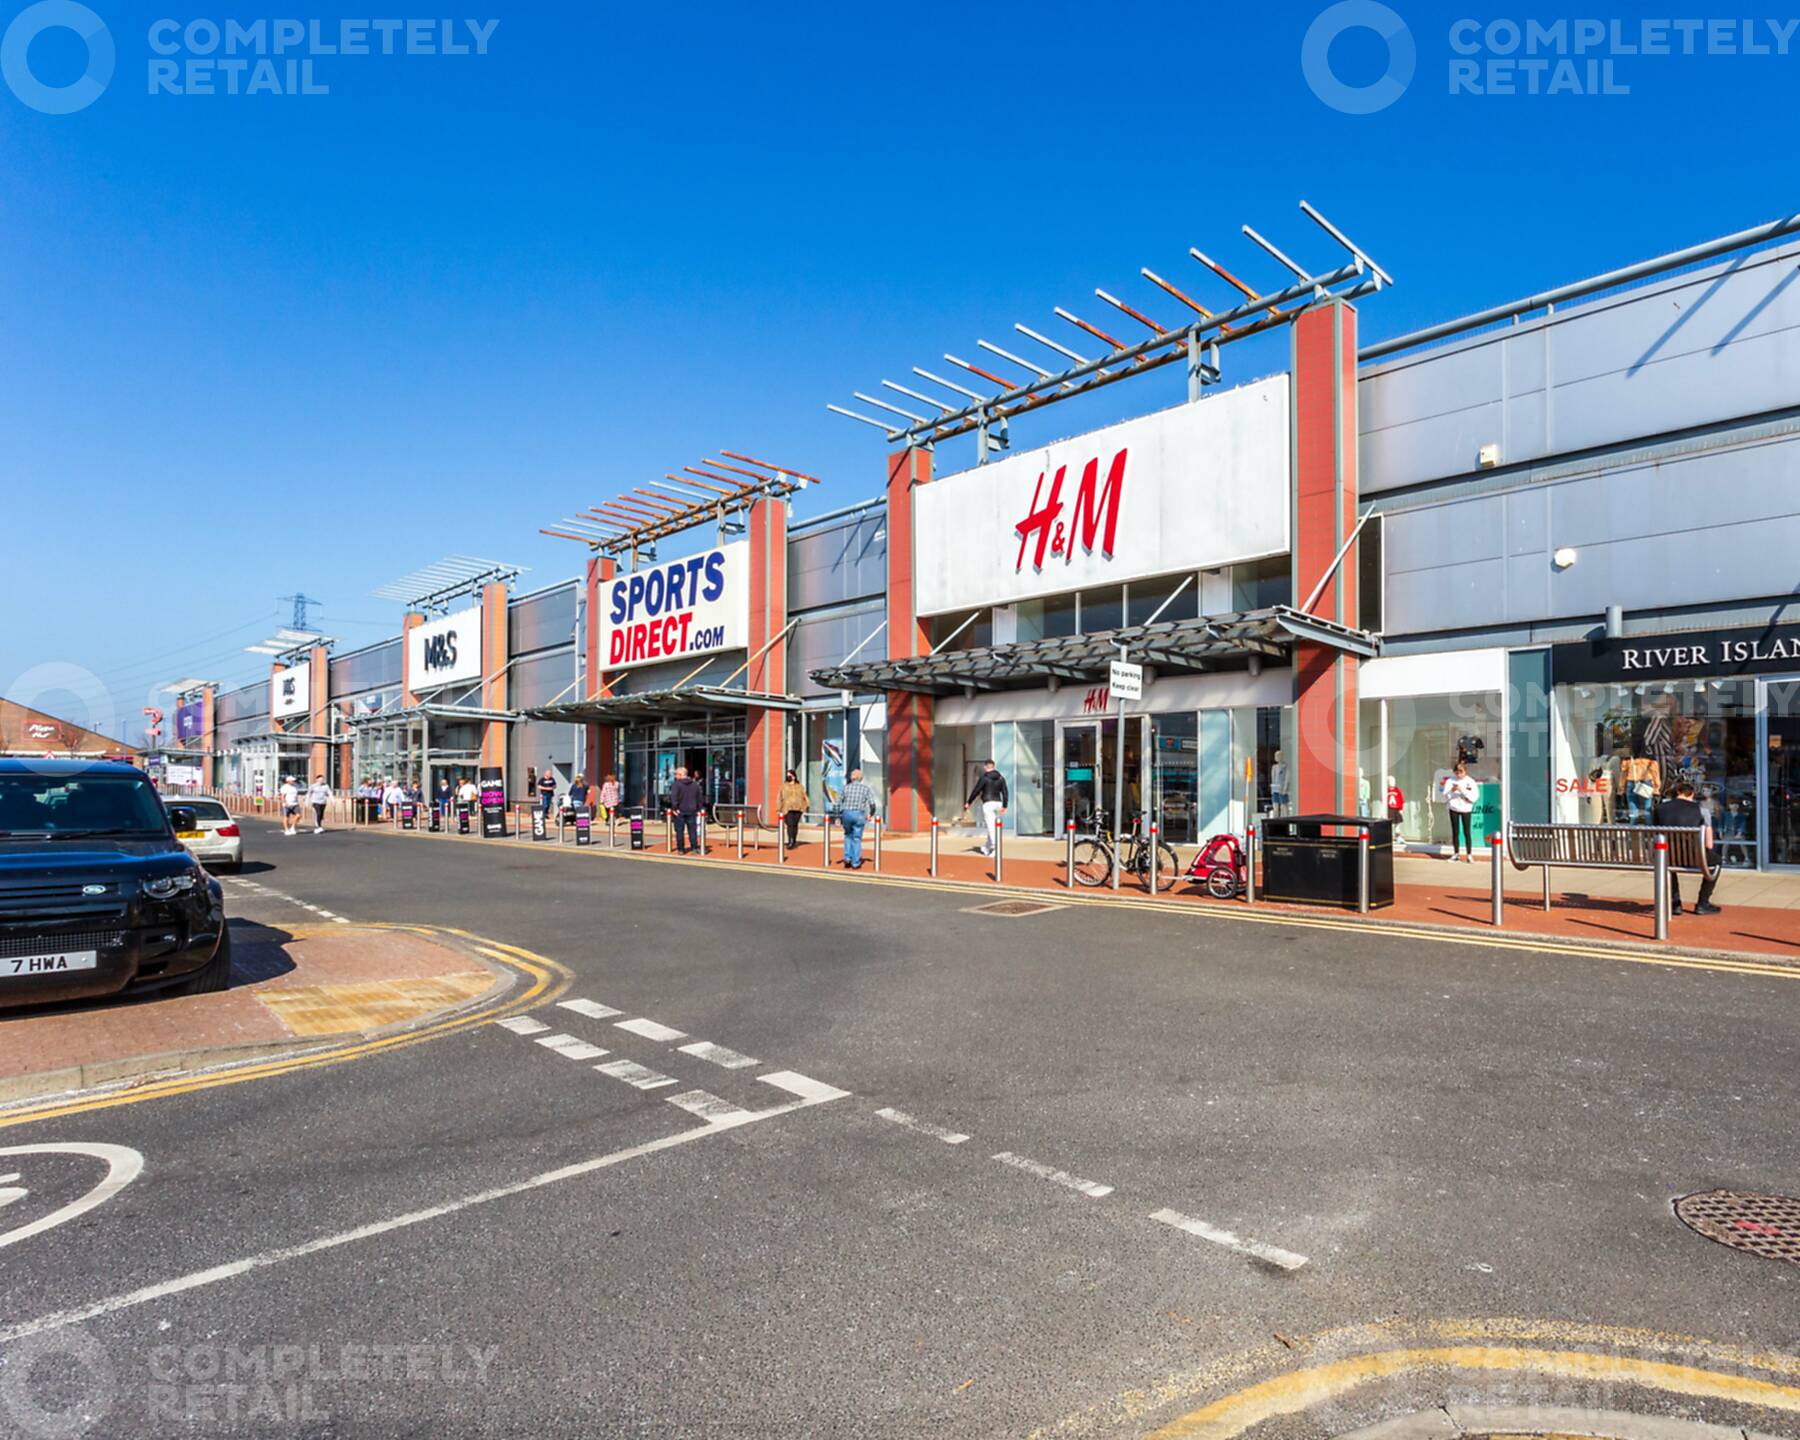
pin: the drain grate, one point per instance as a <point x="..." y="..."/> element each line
<point x="1766" y="1225"/>
<point x="1010" y="909"/>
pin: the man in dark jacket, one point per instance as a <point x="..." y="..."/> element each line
<point x="687" y="800"/>
<point x="1685" y="811"/>
<point x="990" y="794"/>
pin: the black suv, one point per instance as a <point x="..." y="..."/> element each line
<point x="97" y="895"/>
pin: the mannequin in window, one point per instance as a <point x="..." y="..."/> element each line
<point x="1365" y="792"/>
<point x="1278" y="785"/>
<point x="1642" y="778"/>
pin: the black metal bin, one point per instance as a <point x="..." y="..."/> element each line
<point x="1314" y="860"/>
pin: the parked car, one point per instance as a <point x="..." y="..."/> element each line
<point x="215" y="838"/>
<point x="97" y="896"/>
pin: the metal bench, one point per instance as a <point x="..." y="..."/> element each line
<point x="1612" y="847"/>
<point x="750" y="816"/>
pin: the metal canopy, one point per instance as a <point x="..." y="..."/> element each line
<point x="436" y="586"/>
<point x="713" y="490"/>
<point x="1173" y="646"/>
<point x="1195" y="340"/>
<point x="690" y="701"/>
<point x="397" y="718"/>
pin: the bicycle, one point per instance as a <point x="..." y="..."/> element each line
<point x="1094" y="860"/>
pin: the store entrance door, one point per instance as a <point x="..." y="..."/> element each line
<point x="1090" y="753"/>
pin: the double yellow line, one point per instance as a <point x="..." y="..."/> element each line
<point x="545" y="979"/>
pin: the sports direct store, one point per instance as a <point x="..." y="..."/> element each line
<point x="1181" y="540"/>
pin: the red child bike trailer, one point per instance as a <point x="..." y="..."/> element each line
<point x="1221" y="867"/>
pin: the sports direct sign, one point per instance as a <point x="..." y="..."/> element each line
<point x="1203" y="485"/>
<point x="692" y="606"/>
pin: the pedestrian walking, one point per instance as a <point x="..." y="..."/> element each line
<point x="991" y="795"/>
<point x="609" y="796"/>
<point x="1460" y="794"/>
<point x="1684" y="811"/>
<point x="467" y="795"/>
<point x="392" y="797"/>
<point x="856" y="807"/>
<point x="687" y="800"/>
<point x="791" y="803"/>
<point x="290" y="805"/>
<point x="578" y="792"/>
<point x="318" y="796"/>
<point x="443" y="796"/>
<point x="546" y="784"/>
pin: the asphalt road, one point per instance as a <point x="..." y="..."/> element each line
<point x="1197" y="1152"/>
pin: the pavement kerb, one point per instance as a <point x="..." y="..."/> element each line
<point x="126" y="1078"/>
<point x="1265" y="913"/>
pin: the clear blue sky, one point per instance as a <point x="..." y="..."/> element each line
<point x="257" y="344"/>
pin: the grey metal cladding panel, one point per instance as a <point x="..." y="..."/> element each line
<point x="843" y="562"/>
<point x="1527" y="587"/>
<point x="1436" y="385"/>
<point x="1438" y="445"/>
<point x="1682" y="567"/>
<point x="251" y="700"/>
<point x="367" y="669"/>
<point x="541" y="621"/>
<point x="664" y="677"/>
<point x="1439" y="535"/>
<point x="827" y="639"/>
<point x="540" y="680"/>
<point x="1448" y="597"/>
<point x="1527" y="515"/>
<point x="1687" y="493"/>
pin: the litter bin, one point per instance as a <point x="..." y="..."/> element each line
<point x="1312" y="859"/>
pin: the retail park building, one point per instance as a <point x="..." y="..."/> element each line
<point x="1558" y="543"/>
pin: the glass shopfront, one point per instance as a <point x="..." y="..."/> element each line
<point x="711" y="750"/>
<point x="1413" y="743"/>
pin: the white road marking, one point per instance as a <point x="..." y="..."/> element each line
<point x="570" y="1047"/>
<point x="803" y="1086"/>
<point x="634" y="1074"/>
<point x="522" y="1025"/>
<point x="718" y="1054"/>
<point x="650" y="1030"/>
<point x="1273" y="1254"/>
<point x="593" y="1009"/>
<point x="1050" y="1172"/>
<point x="936" y="1132"/>
<point x="149" y="1294"/>
<point x="123" y="1165"/>
<point x="707" y="1106"/>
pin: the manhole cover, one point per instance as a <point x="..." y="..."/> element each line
<point x="1766" y="1225"/>
<point x="1011" y="909"/>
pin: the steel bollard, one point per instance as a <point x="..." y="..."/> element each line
<point x="1660" y="893"/>
<point x="1362" y="871"/>
<point x="740" y="835"/>
<point x="781" y="840"/>
<point x="1250" y="865"/>
<point x="701" y="831"/>
<point x="1495" y="848"/>
<point x="875" y="825"/>
<point x="669" y="831"/>
<point x="934" y="848"/>
<point x="825" y="851"/>
<point x="999" y="845"/>
<point x="1546" y="889"/>
<point x="1069" y="856"/>
<point x="1153" y="862"/>
<point x="612" y="829"/>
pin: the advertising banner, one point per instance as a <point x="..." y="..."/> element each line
<point x="290" y="691"/>
<point x="189" y="719"/>
<point x="693" y="606"/>
<point x="492" y="782"/>
<point x="444" y="651"/>
<point x="1203" y="485"/>
<point x="185" y="775"/>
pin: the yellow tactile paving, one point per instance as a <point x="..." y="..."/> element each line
<point x="311" y="1010"/>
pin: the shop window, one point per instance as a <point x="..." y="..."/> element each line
<point x="1033" y="777"/>
<point x="1369" y="575"/>
<point x="957" y="631"/>
<point x="1049" y="619"/>
<point x="956" y="755"/>
<point x="1262" y="583"/>
<point x="1621" y="748"/>
<point x="1425" y="736"/>
<point x="1102" y="609"/>
<point x="1145" y="597"/>
<point x="1175" y="773"/>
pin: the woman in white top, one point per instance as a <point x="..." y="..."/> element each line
<point x="1460" y="794"/>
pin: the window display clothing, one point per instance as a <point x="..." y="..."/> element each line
<point x="1641" y="778"/>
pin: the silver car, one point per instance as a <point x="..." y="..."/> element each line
<point x="217" y="841"/>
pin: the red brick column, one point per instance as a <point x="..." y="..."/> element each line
<point x="766" y="729"/>
<point x="208" y="738"/>
<point x="1324" y="513"/>
<point x="602" y="745"/>
<point x="318" y="718"/>
<point x="493" y="677"/>
<point x="909" y="716"/>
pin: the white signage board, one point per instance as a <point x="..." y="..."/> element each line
<point x="444" y="651"/>
<point x="181" y="775"/>
<point x="1202" y="485"/>
<point x="692" y="606"/>
<point x="290" y="691"/>
<point x="1126" y="681"/>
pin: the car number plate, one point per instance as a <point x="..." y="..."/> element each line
<point x="190" y="834"/>
<point x="53" y="964"/>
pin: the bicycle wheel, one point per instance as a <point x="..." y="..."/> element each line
<point x="1093" y="862"/>
<point x="1221" y="884"/>
<point x="1168" y="867"/>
